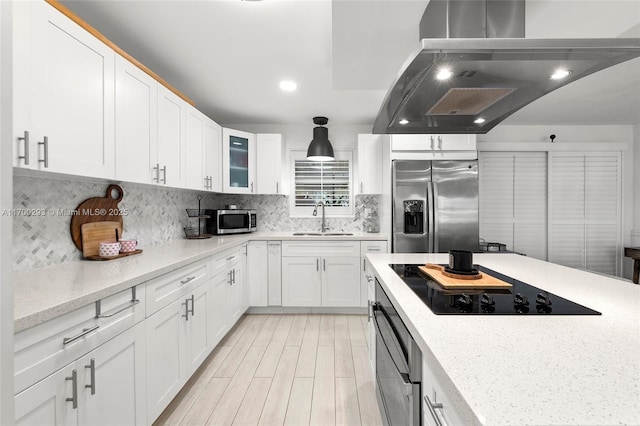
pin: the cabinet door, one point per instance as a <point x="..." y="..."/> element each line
<point x="72" y="96"/>
<point x="269" y="163"/>
<point x="341" y="281"/>
<point x="198" y="323"/>
<point x="165" y="356"/>
<point x="45" y="403"/>
<point x="213" y="155"/>
<point x="170" y="147"/>
<point x="369" y="164"/>
<point x="136" y="122"/>
<point x="238" y="161"/>
<point x="219" y="324"/>
<point x="456" y="142"/>
<point x="258" y="274"/>
<point x="274" y="279"/>
<point x="112" y="381"/>
<point x="301" y="281"/>
<point x="234" y="295"/>
<point x="194" y="149"/>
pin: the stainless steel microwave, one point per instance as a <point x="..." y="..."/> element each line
<point x="233" y="221"/>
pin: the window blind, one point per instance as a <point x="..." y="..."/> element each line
<point x="327" y="181"/>
<point x="513" y="201"/>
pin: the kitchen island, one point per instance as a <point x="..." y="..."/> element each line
<point x="530" y="370"/>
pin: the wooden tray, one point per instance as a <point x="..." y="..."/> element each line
<point x="94" y="233"/>
<point x="483" y="281"/>
<point x="131" y="253"/>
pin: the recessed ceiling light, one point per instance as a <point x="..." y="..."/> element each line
<point x="403" y="121"/>
<point x="479" y="120"/>
<point x="559" y="74"/>
<point x="288" y="85"/>
<point x="444" y="74"/>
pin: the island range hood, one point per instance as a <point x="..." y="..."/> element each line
<point x="475" y="68"/>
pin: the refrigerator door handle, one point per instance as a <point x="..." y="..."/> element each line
<point x="429" y="217"/>
<point x="434" y="204"/>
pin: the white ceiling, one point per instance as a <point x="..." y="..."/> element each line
<point x="229" y="55"/>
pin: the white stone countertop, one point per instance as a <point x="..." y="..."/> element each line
<point x="46" y="293"/>
<point x="532" y="370"/>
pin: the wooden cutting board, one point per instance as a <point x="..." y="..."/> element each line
<point x="97" y="209"/>
<point x="96" y="232"/>
<point x="484" y="281"/>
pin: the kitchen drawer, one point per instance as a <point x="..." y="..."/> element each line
<point x="41" y="350"/>
<point x="373" y="247"/>
<point x="222" y="262"/>
<point x="163" y="290"/>
<point x="321" y="248"/>
<point x="442" y="411"/>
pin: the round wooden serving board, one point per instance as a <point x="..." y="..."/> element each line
<point x="96" y="209"/>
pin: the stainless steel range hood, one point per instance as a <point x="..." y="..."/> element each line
<point x="494" y="71"/>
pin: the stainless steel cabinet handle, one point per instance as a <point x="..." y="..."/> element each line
<point x="123" y="308"/>
<point x="230" y="257"/>
<point x="193" y="304"/>
<point x="432" y="409"/>
<point x="317" y="264"/>
<point x="364" y="264"/>
<point x="25" y="157"/>
<point x="186" y="310"/>
<point x="74" y="388"/>
<point x="164" y="174"/>
<point x="324" y="264"/>
<point x="440" y="142"/>
<point x="432" y="142"/>
<point x="361" y="188"/>
<point x="85" y="331"/>
<point x="206" y="182"/>
<point x="45" y="144"/>
<point x="230" y="282"/>
<point x="157" y="170"/>
<point x="369" y="278"/>
<point x="92" y="367"/>
<point x="252" y="187"/>
<point x="277" y="187"/>
<point x="188" y="280"/>
<point x="233" y="275"/>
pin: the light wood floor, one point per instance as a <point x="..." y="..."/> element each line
<point x="283" y="370"/>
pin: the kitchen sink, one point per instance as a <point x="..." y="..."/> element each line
<point x="322" y="234"/>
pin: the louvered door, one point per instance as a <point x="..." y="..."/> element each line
<point x="585" y="211"/>
<point x="513" y="200"/>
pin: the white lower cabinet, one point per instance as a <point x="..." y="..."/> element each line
<point x="321" y="273"/>
<point x="105" y="387"/>
<point x="178" y="342"/>
<point x="365" y="248"/>
<point x="438" y="409"/>
<point x="264" y="277"/>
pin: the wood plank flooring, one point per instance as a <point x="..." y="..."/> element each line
<point x="283" y="370"/>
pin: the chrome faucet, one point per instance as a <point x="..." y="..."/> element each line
<point x="323" y="227"/>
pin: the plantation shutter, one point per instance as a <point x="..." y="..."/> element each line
<point x="586" y="210"/>
<point x="326" y="181"/>
<point x="513" y="201"/>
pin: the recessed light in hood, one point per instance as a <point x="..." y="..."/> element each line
<point x="492" y="76"/>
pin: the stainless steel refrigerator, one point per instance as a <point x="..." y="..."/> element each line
<point x="435" y="206"/>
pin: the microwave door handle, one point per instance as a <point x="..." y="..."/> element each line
<point x="249" y="218"/>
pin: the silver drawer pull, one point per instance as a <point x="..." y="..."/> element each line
<point x="188" y="280"/>
<point x="432" y="409"/>
<point x="85" y="331"/>
<point x="74" y="389"/>
<point x="134" y="301"/>
<point x="45" y="144"/>
<point x="92" y="367"/>
<point x="231" y="257"/>
<point x="123" y="308"/>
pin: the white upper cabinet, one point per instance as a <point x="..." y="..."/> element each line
<point x="238" y="162"/>
<point x="213" y="155"/>
<point x="369" y="164"/>
<point x="269" y="163"/>
<point x="136" y="122"/>
<point x="433" y="147"/>
<point x="64" y="92"/>
<point x="194" y="149"/>
<point x="170" y="152"/>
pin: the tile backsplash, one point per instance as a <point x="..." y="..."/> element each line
<point x="154" y="215"/>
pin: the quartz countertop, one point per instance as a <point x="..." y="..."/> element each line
<point x="531" y="370"/>
<point x="46" y="293"/>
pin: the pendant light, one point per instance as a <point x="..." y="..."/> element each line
<point x="320" y="148"/>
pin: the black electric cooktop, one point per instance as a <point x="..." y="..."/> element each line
<point x="521" y="299"/>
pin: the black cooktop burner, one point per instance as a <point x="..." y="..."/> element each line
<point x="521" y="299"/>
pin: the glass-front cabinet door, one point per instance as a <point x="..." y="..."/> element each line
<point x="238" y="150"/>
